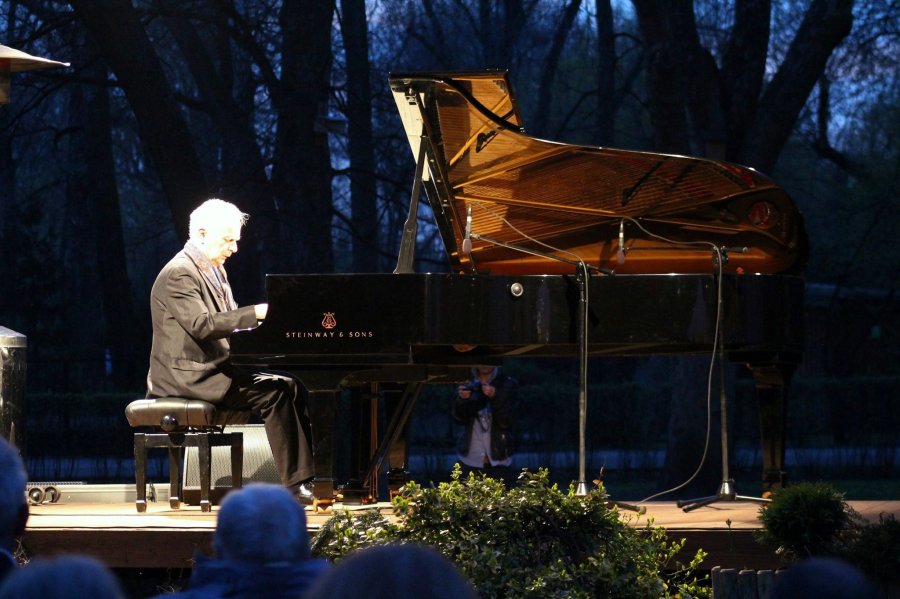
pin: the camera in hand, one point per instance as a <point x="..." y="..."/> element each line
<point x="473" y="386"/>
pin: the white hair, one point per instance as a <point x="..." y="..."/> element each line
<point x="262" y="523"/>
<point x="215" y="214"/>
<point x="12" y="490"/>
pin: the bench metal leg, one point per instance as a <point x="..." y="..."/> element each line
<point x="176" y="444"/>
<point x="140" y="471"/>
<point x="204" y="454"/>
<point x="176" y="461"/>
<point x="237" y="460"/>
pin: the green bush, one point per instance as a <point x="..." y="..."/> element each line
<point x="807" y="519"/>
<point x="877" y="552"/>
<point x="531" y="540"/>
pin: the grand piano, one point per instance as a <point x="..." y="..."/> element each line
<point x="555" y="250"/>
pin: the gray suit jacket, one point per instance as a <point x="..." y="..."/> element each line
<point x="193" y="314"/>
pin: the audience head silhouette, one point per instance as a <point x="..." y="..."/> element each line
<point x="261" y="524"/>
<point x="394" y="572"/>
<point x="13" y="506"/>
<point x="261" y="548"/>
<point x="823" y="578"/>
<point x="65" y="577"/>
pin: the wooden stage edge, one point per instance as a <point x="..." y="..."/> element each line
<point x="117" y="534"/>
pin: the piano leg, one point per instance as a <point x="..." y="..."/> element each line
<point x="322" y="405"/>
<point x="772" y="382"/>
<point x="400" y="402"/>
<point x="362" y="486"/>
<point x="396" y="404"/>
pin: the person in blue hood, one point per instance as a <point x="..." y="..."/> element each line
<point x="261" y="548"/>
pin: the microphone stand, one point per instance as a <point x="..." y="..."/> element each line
<point x="726" y="490"/>
<point x="582" y="276"/>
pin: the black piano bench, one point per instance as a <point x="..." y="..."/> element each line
<point x="178" y="423"/>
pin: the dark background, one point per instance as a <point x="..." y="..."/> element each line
<point x="283" y="108"/>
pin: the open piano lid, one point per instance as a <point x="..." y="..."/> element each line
<point x="536" y="195"/>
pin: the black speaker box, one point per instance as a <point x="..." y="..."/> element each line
<point x="259" y="465"/>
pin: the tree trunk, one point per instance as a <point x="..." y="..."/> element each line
<point x="362" y="158"/>
<point x="606" y="73"/>
<point x="666" y="97"/>
<point x="96" y="229"/>
<point x="548" y="73"/>
<point x="825" y="25"/>
<point x="499" y="29"/>
<point x="743" y="68"/>
<point x="78" y="246"/>
<point x="687" y="425"/>
<point x="125" y="47"/>
<point x="689" y="99"/>
<point x="7" y="171"/>
<point x="243" y="177"/>
<point x="302" y="169"/>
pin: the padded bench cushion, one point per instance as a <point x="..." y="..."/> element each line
<point x="190" y="413"/>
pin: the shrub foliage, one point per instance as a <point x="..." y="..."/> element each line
<point x="531" y="540"/>
<point x="808" y="519"/>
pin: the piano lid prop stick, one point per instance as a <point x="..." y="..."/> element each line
<point x="620" y="255"/>
<point x="467" y="239"/>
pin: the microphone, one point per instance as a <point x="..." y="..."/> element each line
<point x="620" y="255"/>
<point x="467" y="239"/>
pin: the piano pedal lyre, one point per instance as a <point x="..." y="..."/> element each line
<point x="397" y="477"/>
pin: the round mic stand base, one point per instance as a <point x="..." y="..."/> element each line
<point x="726" y="493"/>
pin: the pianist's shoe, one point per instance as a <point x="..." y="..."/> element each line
<point x="304" y="493"/>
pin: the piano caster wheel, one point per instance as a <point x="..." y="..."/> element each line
<point x="175" y="503"/>
<point x="141" y="506"/>
<point x="35" y="496"/>
<point x="322" y="505"/>
<point x="205" y="506"/>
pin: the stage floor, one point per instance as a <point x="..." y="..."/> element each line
<point x="165" y="538"/>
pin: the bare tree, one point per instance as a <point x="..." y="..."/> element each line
<point x="732" y="113"/>
<point x="302" y="171"/>
<point x="354" y="29"/>
<point x="606" y="72"/>
<point x="242" y="170"/>
<point x="548" y="73"/>
<point x="94" y="235"/>
<point x="117" y="29"/>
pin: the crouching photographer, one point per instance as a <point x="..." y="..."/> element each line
<point x="485" y="406"/>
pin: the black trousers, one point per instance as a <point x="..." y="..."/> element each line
<point x="278" y="400"/>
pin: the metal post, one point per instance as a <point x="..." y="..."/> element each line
<point x="582" y="278"/>
<point x="12" y="386"/>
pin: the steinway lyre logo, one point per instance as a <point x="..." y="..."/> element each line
<point x="328" y="320"/>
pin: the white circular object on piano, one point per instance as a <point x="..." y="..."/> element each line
<point x="516" y="289"/>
